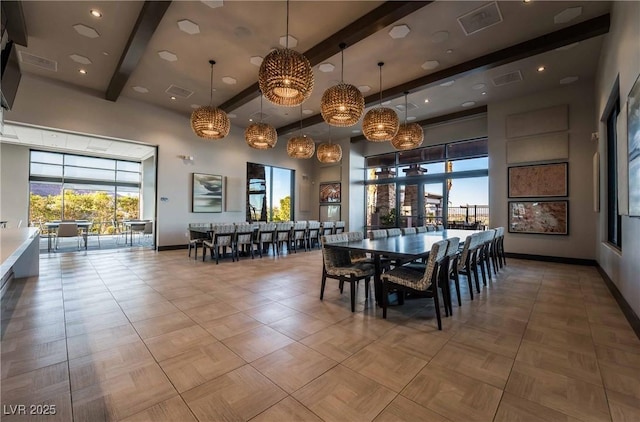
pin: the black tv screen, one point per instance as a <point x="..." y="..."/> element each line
<point x="11" y="75"/>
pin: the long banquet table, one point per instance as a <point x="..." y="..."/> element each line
<point x="409" y="247"/>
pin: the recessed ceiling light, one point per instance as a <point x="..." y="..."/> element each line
<point x="195" y="106"/>
<point x="484" y="93"/>
<point x="307" y="111"/>
<point x="478" y="86"/>
<point x="468" y="103"/>
<point x="411" y="118"/>
<point x="104" y="53"/>
<point x="568" y="80"/>
<point x="449" y="51"/>
<point x="426" y="100"/>
<point x="172" y="97"/>
<point x="231" y="115"/>
<point x="364" y="88"/>
<point x="95" y="13"/>
<point x="140" y="89"/>
<point x="541" y="68"/>
<point x="526" y="1"/>
<point x="229" y="80"/>
<point x="448" y="83"/>
<point x="355" y="131"/>
<point x="430" y="64"/>
<point x="82" y="71"/>
<point x="251" y="120"/>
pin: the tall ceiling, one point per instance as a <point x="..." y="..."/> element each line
<point x="417" y="41"/>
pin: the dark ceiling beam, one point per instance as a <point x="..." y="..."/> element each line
<point x="13" y="18"/>
<point x="440" y="119"/>
<point x="379" y="18"/>
<point x="578" y="32"/>
<point x="148" y="20"/>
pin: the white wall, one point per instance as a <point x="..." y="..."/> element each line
<point x="148" y="203"/>
<point x="580" y="243"/>
<point x="620" y="56"/>
<point x="88" y="112"/>
<point x="14" y="184"/>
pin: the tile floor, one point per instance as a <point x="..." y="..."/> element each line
<point x="137" y="335"/>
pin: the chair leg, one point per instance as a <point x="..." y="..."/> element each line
<point x="456" y="280"/>
<point x="366" y="286"/>
<point x="353" y="295"/>
<point x="324" y="282"/>
<point x="437" y="304"/>
<point x="385" y="299"/>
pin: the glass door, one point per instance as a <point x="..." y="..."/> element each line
<point x="434" y="204"/>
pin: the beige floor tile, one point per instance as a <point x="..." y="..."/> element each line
<point x="343" y="395"/>
<point x="48" y="386"/>
<point x="570" y="396"/>
<point x="256" y="343"/>
<point x="101" y="340"/>
<point x="180" y="292"/>
<point x="288" y="409"/>
<point x="271" y="313"/>
<point x="515" y="409"/>
<point x="489" y="340"/>
<point x="96" y="323"/>
<point x="336" y="342"/>
<point x="404" y="410"/>
<point x="561" y="361"/>
<point x="172" y="344"/>
<point x="559" y="339"/>
<point x="202" y="314"/>
<point x="200" y="364"/>
<point x="618" y="338"/>
<point x="622" y="379"/>
<point x="459" y="397"/>
<point x="33" y="336"/>
<point x="230" y="326"/>
<point x="386" y="365"/>
<point x="171" y="410"/>
<point x="251" y="301"/>
<point x="416" y="343"/>
<point x="618" y="357"/>
<point x="623" y="408"/>
<point x="162" y="324"/>
<point x="299" y="326"/>
<point x="293" y="366"/>
<point x="503" y="324"/>
<point x="21" y="359"/>
<point x="185" y="303"/>
<point x="138" y="301"/>
<point x="122" y="396"/>
<point x="88" y="370"/>
<point x="479" y="364"/>
<point x="237" y="395"/>
<point x="142" y="313"/>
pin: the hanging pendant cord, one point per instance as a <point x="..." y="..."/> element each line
<point x="287" y="41"/>
<point x="406" y="104"/>
<point x="381" y="64"/>
<point x="260" y="107"/>
<point x="300" y="119"/>
<point x="342" y="67"/>
<point x="211" y="86"/>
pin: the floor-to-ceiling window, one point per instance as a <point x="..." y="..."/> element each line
<point x="269" y="193"/>
<point x="75" y="187"/>
<point x="442" y="184"/>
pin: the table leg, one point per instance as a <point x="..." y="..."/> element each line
<point x="377" y="279"/>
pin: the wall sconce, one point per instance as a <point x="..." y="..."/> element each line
<point x="186" y="157"/>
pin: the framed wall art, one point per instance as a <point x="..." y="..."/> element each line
<point x="633" y="150"/>
<point x="330" y="192"/>
<point x="539" y="217"/>
<point x="206" y="193"/>
<point x="539" y="181"/>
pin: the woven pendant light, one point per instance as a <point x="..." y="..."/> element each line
<point x="380" y="124"/>
<point x="210" y="122"/>
<point x="285" y="76"/>
<point x="301" y="146"/>
<point x="261" y="135"/>
<point x="410" y="135"/>
<point x="329" y="153"/>
<point x="343" y="104"/>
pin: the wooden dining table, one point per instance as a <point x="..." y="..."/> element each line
<point x="406" y="248"/>
<point x="83" y="225"/>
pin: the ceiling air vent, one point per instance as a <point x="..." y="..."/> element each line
<point x="410" y="106"/>
<point x="507" y="78"/>
<point x="480" y="18"/>
<point x="38" y="61"/>
<point x="257" y="116"/>
<point x="179" y="92"/>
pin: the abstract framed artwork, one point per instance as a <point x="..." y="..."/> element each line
<point x="539" y="181"/>
<point x="329" y="213"/>
<point x="206" y="193"/>
<point x="539" y="217"/>
<point x="330" y="192"/>
<point x="633" y="150"/>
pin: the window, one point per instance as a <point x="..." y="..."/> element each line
<point x="76" y="187"/>
<point x="269" y="193"/>
<point x="614" y="219"/>
<point x="443" y="184"/>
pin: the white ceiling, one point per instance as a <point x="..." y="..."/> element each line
<point x="239" y="30"/>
